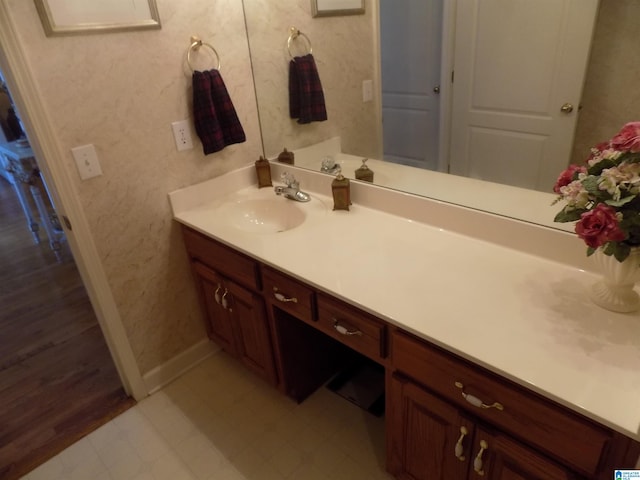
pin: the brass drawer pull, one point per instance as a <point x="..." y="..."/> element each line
<point x="282" y="298"/>
<point x="475" y="401"/>
<point x="477" y="462"/>
<point x="459" y="450"/>
<point x="344" y="330"/>
<point x="216" y="295"/>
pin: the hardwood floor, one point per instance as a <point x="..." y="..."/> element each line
<point x="57" y="378"/>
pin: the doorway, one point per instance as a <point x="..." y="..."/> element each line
<point x="410" y="46"/>
<point x="58" y="380"/>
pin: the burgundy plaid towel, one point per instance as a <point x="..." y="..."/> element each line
<point x="215" y="117"/>
<point x="306" y="100"/>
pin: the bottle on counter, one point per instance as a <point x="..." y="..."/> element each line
<point x="263" y="169"/>
<point x="341" y="190"/>
<point x="364" y="172"/>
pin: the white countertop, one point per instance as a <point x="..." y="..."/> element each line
<point x="522" y="316"/>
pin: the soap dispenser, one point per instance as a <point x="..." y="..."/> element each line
<point x="263" y="169"/>
<point x="341" y="190"/>
<point x="364" y="172"/>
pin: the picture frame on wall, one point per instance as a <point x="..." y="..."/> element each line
<point x="332" y="8"/>
<point x="70" y="17"/>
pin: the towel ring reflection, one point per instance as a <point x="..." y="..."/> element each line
<point x="197" y="43"/>
<point x="293" y="34"/>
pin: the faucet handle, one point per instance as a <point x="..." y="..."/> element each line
<point x="288" y="179"/>
<point x="328" y="163"/>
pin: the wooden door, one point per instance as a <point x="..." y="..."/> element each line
<point x="517" y="62"/>
<point x="410" y="44"/>
<point x="503" y="458"/>
<point x="424" y="433"/>
<point x="212" y="290"/>
<point x="252" y="338"/>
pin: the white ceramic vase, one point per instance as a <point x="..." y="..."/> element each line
<point x="615" y="290"/>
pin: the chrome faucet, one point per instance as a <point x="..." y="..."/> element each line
<point x="292" y="188"/>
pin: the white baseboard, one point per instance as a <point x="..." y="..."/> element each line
<point x="163" y="374"/>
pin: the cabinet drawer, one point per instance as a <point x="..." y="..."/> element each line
<point x="559" y="432"/>
<point x="354" y="328"/>
<point x="289" y="294"/>
<point x="223" y="259"/>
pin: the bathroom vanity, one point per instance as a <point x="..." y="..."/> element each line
<point x="496" y="366"/>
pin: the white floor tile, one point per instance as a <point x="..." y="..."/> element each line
<point x="219" y="422"/>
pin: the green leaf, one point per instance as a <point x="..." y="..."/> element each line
<point x="590" y="251"/>
<point x="600" y="166"/>
<point x="630" y="157"/>
<point x="590" y="184"/>
<point x="621" y="251"/>
<point x="609" y="248"/>
<point x="622" y="201"/>
<point x="569" y="215"/>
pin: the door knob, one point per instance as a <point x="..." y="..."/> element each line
<point x="566" y="108"/>
<point x="436" y="89"/>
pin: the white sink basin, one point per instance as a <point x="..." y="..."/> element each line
<point x="264" y="215"/>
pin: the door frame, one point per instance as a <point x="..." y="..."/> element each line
<point x="51" y="160"/>
<point x="446" y="81"/>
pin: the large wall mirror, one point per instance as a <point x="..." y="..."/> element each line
<point x="531" y="90"/>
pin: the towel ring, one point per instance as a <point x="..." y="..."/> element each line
<point x="197" y="43"/>
<point x="293" y="34"/>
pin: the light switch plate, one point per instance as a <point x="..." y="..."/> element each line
<point x="87" y="161"/>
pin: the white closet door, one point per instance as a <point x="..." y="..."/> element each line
<point x="517" y="62"/>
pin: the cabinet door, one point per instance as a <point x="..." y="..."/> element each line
<point x="424" y="433"/>
<point x="213" y="293"/>
<point x="252" y="339"/>
<point x="496" y="456"/>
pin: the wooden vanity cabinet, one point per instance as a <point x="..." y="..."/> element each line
<point x="236" y="317"/>
<point x="289" y="295"/>
<point x="352" y="327"/>
<point x="513" y="432"/>
<point x="431" y="439"/>
<point x="236" y="320"/>
<point x="446" y="418"/>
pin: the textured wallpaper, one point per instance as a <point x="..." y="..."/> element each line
<point x="611" y="97"/>
<point x="120" y="92"/>
<point x="343" y="48"/>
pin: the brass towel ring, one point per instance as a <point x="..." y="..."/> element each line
<point x="293" y="34"/>
<point x="197" y="43"/>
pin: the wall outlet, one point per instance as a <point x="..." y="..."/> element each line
<point x="367" y="90"/>
<point x="87" y="161"/>
<point x="182" y="135"/>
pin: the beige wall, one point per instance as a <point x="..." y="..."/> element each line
<point x="343" y="48"/>
<point x="120" y="92"/>
<point x="611" y="97"/>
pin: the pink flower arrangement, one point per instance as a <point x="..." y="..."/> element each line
<point x="603" y="195"/>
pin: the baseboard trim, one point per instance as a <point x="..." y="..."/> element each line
<point x="163" y="374"/>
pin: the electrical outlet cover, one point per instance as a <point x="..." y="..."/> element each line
<point x="182" y="135"/>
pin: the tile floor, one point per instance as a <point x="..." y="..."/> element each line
<point x="219" y="422"/>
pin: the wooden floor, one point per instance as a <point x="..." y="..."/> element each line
<point x="57" y="378"/>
